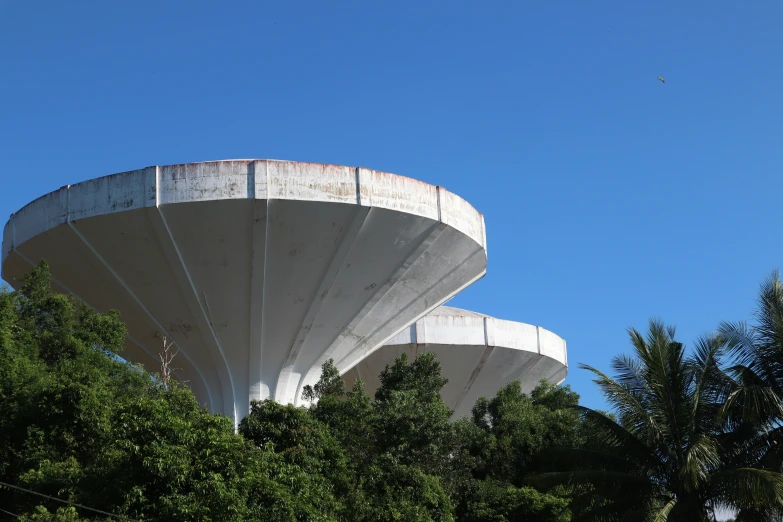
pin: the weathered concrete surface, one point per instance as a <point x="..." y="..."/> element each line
<point x="478" y="355"/>
<point x="259" y="270"/>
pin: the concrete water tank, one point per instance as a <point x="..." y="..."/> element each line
<point x="258" y="270"/>
<point x="478" y="354"/>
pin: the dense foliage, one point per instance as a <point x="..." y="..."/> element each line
<point x="79" y="424"/>
<point x="690" y="432"/>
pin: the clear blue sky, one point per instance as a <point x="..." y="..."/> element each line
<point x="608" y="196"/>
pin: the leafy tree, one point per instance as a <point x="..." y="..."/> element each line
<point x="675" y="453"/>
<point x="411" y="421"/>
<point x="496" y="453"/>
<point x="171" y="459"/>
<point x="393" y="491"/>
<point x="78" y="424"/>
<point x="57" y="388"/>
<point x="397" y="443"/>
<point x="518" y="427"/>
<point x="330" y="384"/>
<point x="42" y="514"/>
<point x="305" y="443"/>
<point x="499" y="501"/>
<point x="350" y="415"/>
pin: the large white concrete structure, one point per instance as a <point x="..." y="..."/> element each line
<point x="258" y="270"/>
<point x="478" y="355"/>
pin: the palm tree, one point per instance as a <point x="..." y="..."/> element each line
<point x="757" y="352"/>
<point x="675" y="452"/>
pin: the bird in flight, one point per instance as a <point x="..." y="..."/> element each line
<point x="660" y="78"/>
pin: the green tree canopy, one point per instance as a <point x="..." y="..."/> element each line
<point x="80" y="425"/>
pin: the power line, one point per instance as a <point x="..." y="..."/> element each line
<point x="9" y="513"/>
<point x="65" y="502"/>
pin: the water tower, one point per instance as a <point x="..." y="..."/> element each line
<point x="258" y="270"/>
<point x="478" y="355"/>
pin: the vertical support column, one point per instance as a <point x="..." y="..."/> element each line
<point x="258" y="390"/>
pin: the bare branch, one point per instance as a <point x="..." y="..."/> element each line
<point x="166" y="358"/>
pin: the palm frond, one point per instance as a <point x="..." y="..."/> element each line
<point x="590" y="507"/>
<point x="749" y="446"/>
<point x="620" y="439"/>
<point x="753" y="403"/>
<point x="749" y="488"/>
<point x="628" y="403"/>
<point x="760" y="347"/>
<point x="629" y="372"/>
<point x="711" y="384"/>
<point x="663" y="513"/>
<point x="701" y="458"/>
